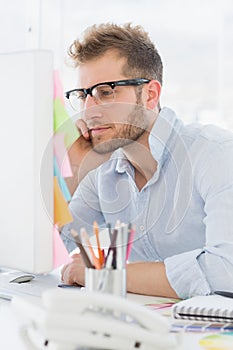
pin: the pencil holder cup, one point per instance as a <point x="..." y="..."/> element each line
<point x="112" y="281"/>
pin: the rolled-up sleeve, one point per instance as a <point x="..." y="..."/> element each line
<point x="204" y="270"/>
<point x="185" y="275"/>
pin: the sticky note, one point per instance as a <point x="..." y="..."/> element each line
<point x="60" y="253"/>
<point x="62" y="184"/>
<point x="62" y="214"/>
<point x="64" y="124"/>
<point x="57" y="86"/>
<point x="61" y="155"/>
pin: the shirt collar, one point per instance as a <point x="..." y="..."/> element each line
<point x="122" y="163"/>
<point x="161" y="133"/>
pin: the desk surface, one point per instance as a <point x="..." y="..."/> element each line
<point x="10" y="324"/>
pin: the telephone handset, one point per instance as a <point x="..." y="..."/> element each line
<point x="73" y="319"/>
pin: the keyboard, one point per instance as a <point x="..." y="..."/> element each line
<point x="35" y="287"/>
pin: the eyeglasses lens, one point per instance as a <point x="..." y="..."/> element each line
<point x="103" y="94"/>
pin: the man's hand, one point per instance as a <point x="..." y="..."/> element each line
<point x="82" y="157"/>
<point x="74" y="272"/>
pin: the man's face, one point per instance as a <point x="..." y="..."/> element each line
<point x="115" y="124"/>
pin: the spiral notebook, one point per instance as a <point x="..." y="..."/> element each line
<point x="212" y="308"/>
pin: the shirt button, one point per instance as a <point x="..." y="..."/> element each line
<point x="141" y="227"/>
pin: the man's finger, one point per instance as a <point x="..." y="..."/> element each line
<point x="83" y="129"/>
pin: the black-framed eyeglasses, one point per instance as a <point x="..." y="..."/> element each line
<point x="101" y="92"/>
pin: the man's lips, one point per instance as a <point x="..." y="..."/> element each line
<point x="98" y="130"/>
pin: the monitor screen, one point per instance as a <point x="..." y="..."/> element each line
<point x="26" y="154"/>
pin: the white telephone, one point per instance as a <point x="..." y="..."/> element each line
<point x="74" y="319"/>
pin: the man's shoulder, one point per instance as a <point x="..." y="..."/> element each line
<point x="206" y="145"/>
<point x="209" y="133"/>
<point x="194" y="132"/>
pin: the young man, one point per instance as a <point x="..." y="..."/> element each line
<point x="174" y="182"/>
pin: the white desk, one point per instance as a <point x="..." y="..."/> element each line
<point x="10" y="325"/>
<point x="9" y="329"/>
<point x="10" y="338"/>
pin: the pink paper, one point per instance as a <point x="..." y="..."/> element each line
<point x="61" y="155"/>
<point x="60" y="253"/>
<point x="58" y="89"/>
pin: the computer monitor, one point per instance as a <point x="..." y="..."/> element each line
<point x="26" y="155"/>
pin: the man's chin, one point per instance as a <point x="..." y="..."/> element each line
<point x="110" y="146"/>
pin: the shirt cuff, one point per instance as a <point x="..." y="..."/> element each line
<point x="67" y="238"/>
<point x="185" y="275"/>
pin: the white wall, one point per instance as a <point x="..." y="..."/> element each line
<point x="194" y="38"/>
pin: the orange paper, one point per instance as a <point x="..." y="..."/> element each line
<point x="62" y="214"/>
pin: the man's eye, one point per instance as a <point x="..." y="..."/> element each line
<point x="105" y="92"/>
<point x="81" y="96"/>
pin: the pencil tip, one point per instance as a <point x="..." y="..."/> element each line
<point x="73" y="232"/>
<point x="118" y="224"/>
<point x="82" y="230"/>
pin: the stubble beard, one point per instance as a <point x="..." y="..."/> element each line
<point x="127" y="133"/>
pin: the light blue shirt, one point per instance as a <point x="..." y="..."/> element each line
<point x="184" y="213"/>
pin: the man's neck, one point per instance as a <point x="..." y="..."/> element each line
<point x="143" y="162"/>
<point x="139" y="155"/>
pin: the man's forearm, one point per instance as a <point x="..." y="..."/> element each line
<point x="149" y="278"/>
<point x="82" y="159"/>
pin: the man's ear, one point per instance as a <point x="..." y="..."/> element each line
<point x="153" y="94"/>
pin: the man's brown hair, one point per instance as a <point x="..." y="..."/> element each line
<point x="131" y="42"/>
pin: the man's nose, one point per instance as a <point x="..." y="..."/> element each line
<point x="91" y="109"/>
<point x="90" y="101"/>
